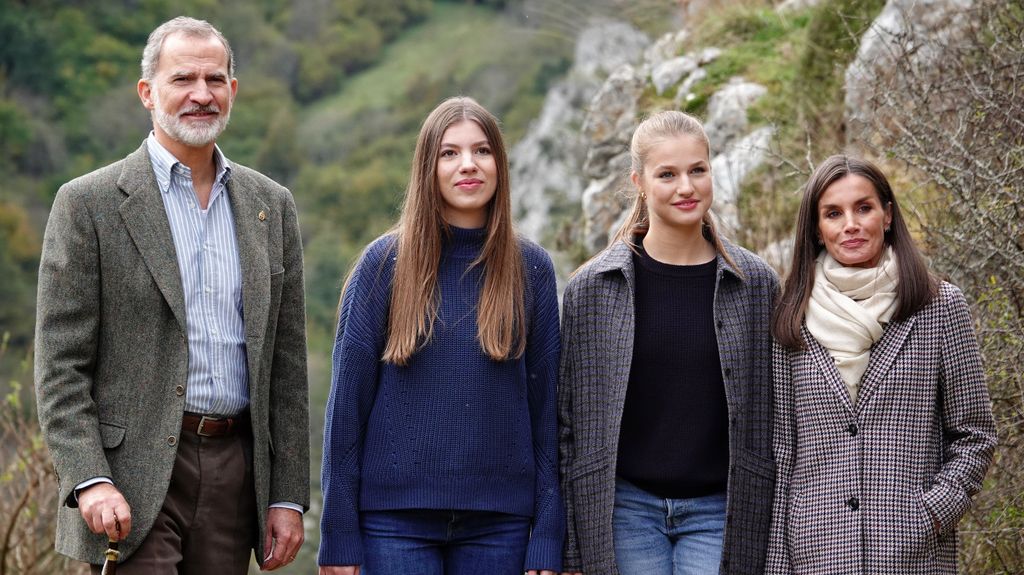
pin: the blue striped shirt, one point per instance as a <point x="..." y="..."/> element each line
<point x="211" y="276"/>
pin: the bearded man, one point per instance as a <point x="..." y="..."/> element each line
<point x="170" y="360"/>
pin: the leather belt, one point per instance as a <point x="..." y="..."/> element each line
<point x="211" y="426"/>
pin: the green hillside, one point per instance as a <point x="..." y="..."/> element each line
<point x="330" y="98"/>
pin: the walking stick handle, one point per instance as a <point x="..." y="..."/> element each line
<point x="112" y="555"/>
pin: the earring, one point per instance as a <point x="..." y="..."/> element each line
<point x="643" y="196"/>
<point x="886" y="229"/>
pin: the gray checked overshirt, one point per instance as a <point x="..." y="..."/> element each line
<point x="597" y="348"/>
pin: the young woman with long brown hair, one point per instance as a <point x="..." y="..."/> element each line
<point x="665" y="384"/>
<point x="440" y="443"/>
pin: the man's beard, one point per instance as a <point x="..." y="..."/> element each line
<point x="195" y="134"/>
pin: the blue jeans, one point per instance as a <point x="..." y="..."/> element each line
<point x="655" y="536"/>
<point x="443" y="542"/>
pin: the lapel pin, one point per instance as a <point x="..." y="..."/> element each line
<point x="262" y="215"/>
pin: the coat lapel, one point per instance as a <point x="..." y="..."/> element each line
<point x="827" y="367"/>
<point x="883" y="356"/>
<point x="251" y="216"/>
<point x="145" y="218"/>
<point x="616" y="265"/>
<point x="727" y="305"/>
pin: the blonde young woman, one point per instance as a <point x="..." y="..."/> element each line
<point x="440" y="443"/>
<point x="665" y="383"/>
<point x="883" y="426"/>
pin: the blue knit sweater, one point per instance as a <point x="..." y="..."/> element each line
<point x="453" y="429"/>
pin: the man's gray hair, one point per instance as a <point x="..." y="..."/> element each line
<point x="185" y="25"/>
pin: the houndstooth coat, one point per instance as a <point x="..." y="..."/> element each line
<point x="597" y="348"/>
<point x="860" y="485"/>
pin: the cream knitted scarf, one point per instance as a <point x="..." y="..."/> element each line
<point x="848" y="309"/>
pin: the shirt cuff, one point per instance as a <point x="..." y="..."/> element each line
<point x="288" y="505"/>
<point x="90" y="483"/>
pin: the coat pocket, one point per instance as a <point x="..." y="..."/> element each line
<point x="797" y="539"/>
<point x="593" y="497"/>
<point x="589" y="463"/>
<point x="913" y="549"/>
<point x="931" y="536"/>
<point x="751" y="487"/>
<point x="111" y="435"/>
<point x="756" y="464"/>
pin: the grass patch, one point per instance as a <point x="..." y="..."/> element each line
<point x="458" y="49"/>
<point x="757" y="43"/>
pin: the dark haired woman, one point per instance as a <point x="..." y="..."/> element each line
<point x="665" y="384"/>
<point x="440" y="445"/>
<point x="883" y="426"/>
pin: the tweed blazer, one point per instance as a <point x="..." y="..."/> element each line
<point x="597" y="349"/>
<point x="112" y="354"/>
<point x="860" y="484"/>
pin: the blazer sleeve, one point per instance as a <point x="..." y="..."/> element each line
<point x="968" y="427"/>
<point x="358" y="347"/>
<point x="572" y="561"/>
<point x="289" y="384"/>
<point x="67" y="331"/>
<point x="784" y="448"/>
<point x="543" y="346"/>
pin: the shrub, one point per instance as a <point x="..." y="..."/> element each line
<point x="960" y="125"/>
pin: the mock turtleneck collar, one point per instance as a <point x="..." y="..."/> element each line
<point x="465" y="242"/>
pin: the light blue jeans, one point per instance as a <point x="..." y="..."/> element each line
<point x="436" y="542"/>
<point x="656" y="536"/>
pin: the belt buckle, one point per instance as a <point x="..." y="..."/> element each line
<point x="202" y="423"/>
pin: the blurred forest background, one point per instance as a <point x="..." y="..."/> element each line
<point x="331" y="96"/>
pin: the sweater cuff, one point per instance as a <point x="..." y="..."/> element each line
<point x="340" y="548"/>
<point x="544" y="553"/>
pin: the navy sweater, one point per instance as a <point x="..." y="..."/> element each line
<point x="453" y="429"/>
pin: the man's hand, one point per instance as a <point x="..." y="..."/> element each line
<point x="104" y="509"/>
<point x="339" y="570"/>
<point x="284" y="537"/>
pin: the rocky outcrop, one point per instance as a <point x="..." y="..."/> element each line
<point x="605" y="45"/>
<point x="607" y="134"/>
<point x="913" y="29"/>
<point x="795" y="5"/>
<point x="546" y="164"/>
<point x="665" y="48"/>
<point x="668" y="73"/>
<point x="726" y="121"/>
<point x="730" y="168"/>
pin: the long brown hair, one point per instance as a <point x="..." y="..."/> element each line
<point x="419" y="236"/>
<point x="654" y="129"/>
<point x="915" y="286"/>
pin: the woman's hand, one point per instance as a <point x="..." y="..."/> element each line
<point x="339" y="570"/>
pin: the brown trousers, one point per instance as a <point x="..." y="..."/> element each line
<point x="207" y="524"/>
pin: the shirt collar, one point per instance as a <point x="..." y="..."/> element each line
<point x="164" y="164"/>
